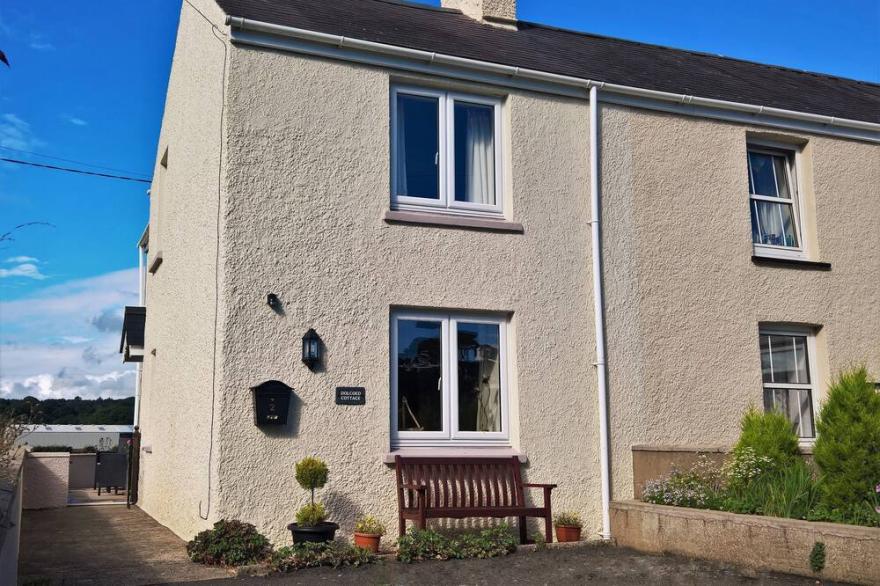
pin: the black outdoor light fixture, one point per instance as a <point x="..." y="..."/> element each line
<point x="271" y="403"/>
<point x="273" y="301"/>
<point x="311" y="350"/>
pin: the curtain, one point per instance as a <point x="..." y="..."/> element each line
<point x="480" y="155"/>
<point x="489" y="390"/>
<point x="400" y="155"/>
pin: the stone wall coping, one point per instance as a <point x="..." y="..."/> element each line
<point x="694" y="449"/>
<point x="48" y="454"/>
<point x="837" y="529"/>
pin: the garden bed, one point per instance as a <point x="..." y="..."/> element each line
<point x="757" y="542"/>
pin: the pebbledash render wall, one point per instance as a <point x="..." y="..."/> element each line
<point x="175" y="407"/>
<point x="303" y="190"/>
<point x="683" y="298"/>
<point x="307" y="193"/>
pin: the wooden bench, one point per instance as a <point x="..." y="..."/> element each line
<point x="457" y="488"/>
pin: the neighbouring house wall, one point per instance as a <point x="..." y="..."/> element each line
<point x="684" y="300"/>
<point x="176" y="399"/>
<point x="307" y="194"/>
<point x="46" y="480"/>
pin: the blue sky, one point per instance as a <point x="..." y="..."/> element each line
<point x="88" y="82"/>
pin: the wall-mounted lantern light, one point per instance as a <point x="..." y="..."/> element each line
<point x="311" y="350"/>
<point x="273" y="301"/>
<point x="271" y="403"/>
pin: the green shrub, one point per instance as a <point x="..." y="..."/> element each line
<point x="863" y="513"/>
<point x="311" y="473"/>
<point x="311" y="515"/>
<point x="847" y="448"/>
<point x="369" y="526"/>
<point x="312" y="555"/>
<point x="229" y="543"/>
<point x="701" y="487"/>
<point x="769" y="436"/>
<point x="566" y="519"/>
<point x="817" y="557"/>
<point x="419" y="545"/>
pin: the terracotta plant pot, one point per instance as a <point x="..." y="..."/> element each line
<point x="367" y="541"/>
<point x="567" y="534"/>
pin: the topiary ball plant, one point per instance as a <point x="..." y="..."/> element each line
<point x="311" y="473"/>
<point x="229" y="543"/>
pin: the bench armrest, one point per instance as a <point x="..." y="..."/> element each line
<point x="535" y="485"/>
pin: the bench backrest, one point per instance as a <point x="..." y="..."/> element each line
<point x="460" y="483"/>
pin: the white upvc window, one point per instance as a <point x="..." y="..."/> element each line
<point x="446" y="152"/>
<point x="789" y="375"/>
<point x="449" y="379"/>
<point x="773" y="199"/>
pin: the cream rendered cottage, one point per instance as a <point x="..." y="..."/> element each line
<point x="508" y="238"/>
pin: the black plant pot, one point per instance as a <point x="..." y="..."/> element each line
<point x="320" y="533"/>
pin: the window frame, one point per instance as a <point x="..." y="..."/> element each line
<point x="450" y="435"/>
<point x="813" y="386"/>
<point x="792" y="157"/>
<point x="446" y="203"/>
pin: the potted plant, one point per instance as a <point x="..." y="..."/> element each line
<point x="368" y="531"/>
<point x="311" y="473"/>
<point x="568" y="527"/>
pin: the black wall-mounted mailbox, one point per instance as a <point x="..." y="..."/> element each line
<point x="271" y="403"/>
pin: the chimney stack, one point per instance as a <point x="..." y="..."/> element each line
<point x="488" y="11"/>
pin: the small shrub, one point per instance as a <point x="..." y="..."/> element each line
<point x="770" y="437"/>
<point x="311" y="515"/>
<point x="858" y="514"/>
<point x="817" y="557"/>
<point x="566" y="519"/>
<point x="745" y="466"/>
<point x="419" y="545"/>
<point x="847" y="448"/>
<point x="370" y="526"/>
<point x="699" y="488"/>
<point x="311" y="473"/>
<point x="312" y="555"/>
<point x="229" y="543"/>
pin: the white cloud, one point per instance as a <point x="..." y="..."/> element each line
<point x="25" y="270"/>
<point x="20" y="259"/>
<point x="42" y="46"/>
<point x="63" y="340"/>
<point x="76" y="121"/>
<point x="16" y="134"/>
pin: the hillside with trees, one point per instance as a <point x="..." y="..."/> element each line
<point x="71" y="411"/>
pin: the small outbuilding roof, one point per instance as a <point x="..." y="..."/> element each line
<point x="575" y="54"/>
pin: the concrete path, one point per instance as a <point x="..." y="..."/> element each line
<point x="103" y="544"/>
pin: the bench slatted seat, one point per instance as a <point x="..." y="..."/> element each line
<point x="457" y="488"/>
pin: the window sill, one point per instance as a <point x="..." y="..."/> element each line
<point x="453" y="452"/>
<point x="794" y="263"/>
<point x="452" y="221"/>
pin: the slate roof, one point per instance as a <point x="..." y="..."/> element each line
<point x="133" y="324"/>
<point x="582" y="55"/>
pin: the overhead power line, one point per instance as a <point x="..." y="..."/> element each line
<point x="74" y="161"/>
<point x="78" y="171"/>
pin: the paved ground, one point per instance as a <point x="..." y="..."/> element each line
<point x="103" y="545"/>
<point x="109" y="544"/>
<point x="577" y="565"/>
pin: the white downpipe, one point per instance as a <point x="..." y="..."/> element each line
<point x="138" y="366"/>
<point x="339" y="41"/>
<point x="598" y="306"/>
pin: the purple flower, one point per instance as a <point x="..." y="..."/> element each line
<point x="877" y="488"/>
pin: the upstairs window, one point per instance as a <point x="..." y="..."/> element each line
<point x="446" y="152"/>
<point x="786" y="365"/>
<point x="774" y="203"/>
